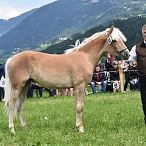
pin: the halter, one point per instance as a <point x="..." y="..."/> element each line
<point x="110" y="41"/>
<point x="122" y="51"/>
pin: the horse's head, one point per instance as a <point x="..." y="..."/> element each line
<point x="115" y="42"/>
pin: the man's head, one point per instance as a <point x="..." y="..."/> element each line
<point x="144" y="32"/>
<point x="134" y="63"/>
<point x="115" y="64"/>
<point x="97" y="68"/>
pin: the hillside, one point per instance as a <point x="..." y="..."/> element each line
<point x="6" y="25"/>
<point x="66" y="17"/>
<point x="130" y="27"/>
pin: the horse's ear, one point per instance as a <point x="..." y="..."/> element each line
<point x="110" y="30"/>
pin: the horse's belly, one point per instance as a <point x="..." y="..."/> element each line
<point x="55" y="82"/>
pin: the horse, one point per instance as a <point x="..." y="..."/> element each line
<point x="73" y="69"/>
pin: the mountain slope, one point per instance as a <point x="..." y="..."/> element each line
<point x="66" y="17"/>
<point x="130" y="27"/>
<point x="6" y="25"/>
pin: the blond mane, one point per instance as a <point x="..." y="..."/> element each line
<point x="116" y="34"/>
<point x="86" y="41"/>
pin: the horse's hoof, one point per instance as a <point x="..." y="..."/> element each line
<point x="23" y="125"/>
<point x="81" y="129"/>
<point x="12" y="131"/>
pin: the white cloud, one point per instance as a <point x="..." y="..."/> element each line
<point x="8" y="12"/>
<point x="12" y="8"/>
<point x="94" y="1"/>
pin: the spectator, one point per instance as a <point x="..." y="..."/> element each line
<point x="104" y="79"/>
<point x="114" y="76"/>
<point x="99" y="80"/>
<point x="67" y="91"/>
<point x="52" y="92"/>
<point x="2" y="82"/>
<point x="2" y="71"/>
<point x="2" y="85"/>
<point x="126" y="68"/>
<point x="109" y="61"/>
<point x="34" y="86"/>
<point x="133" y="76"/>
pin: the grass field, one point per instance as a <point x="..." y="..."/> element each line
<point x="111" y="119"/>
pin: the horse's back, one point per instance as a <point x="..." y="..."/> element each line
<point x="49" y="69"/>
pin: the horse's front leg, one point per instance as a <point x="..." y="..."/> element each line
<point x="79" y="91"/>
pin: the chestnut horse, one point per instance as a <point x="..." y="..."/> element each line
<point x="72" y="69"/>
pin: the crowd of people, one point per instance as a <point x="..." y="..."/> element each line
<point x="106" y="77"/>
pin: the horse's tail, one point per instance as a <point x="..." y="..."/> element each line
<point x="7" y="87"/>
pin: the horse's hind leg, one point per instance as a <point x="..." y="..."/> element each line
<point x="11" y="107"/>
<point x="20" y="102"/>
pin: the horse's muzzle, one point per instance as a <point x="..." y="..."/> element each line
<point x="124" y="54"/>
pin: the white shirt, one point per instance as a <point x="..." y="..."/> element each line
<point x="2" y="82"/>
<point x="132" y="53"/>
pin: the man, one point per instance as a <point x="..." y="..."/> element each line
<point x="138" y="52"/>
<point x="2" y="85"/>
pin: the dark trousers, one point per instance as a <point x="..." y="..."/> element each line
<point x="39" y="91"/>
<point x="52" y="92"/>
<point x="1" y="93"/>
<point x="126" y="81"/>
<point x="142" y="81"/>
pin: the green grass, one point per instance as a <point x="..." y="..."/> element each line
<point x="111" y="119"/>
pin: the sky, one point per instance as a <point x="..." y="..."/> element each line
<point x="12" y="8"/>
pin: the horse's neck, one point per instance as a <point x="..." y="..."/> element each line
<point x="95" y="49"/>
